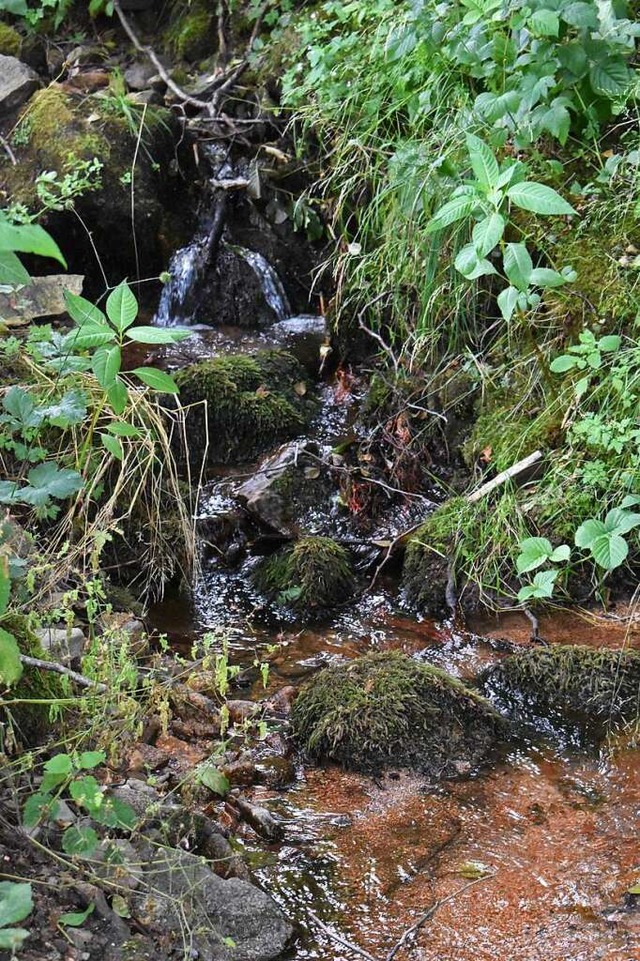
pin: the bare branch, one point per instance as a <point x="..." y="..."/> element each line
<point x="55" y="668"/>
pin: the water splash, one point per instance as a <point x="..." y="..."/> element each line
<point x="178" y="300"/>
<point x="274" y="292"/>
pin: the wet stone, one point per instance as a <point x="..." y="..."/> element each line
<point x="17" y="83"/>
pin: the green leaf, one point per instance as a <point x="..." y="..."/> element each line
<point x="16" y="902"/>
<point x="11" y="270"/>
<point x="82" y="842"/>
<point x="156" y="379"/>
<point x="610" y="77"/>
<point x="29" y="239"/>
<point x="543" y="277"/>
<point x="542" y="586"/>
<point x="74" y="919"/>
<point x="59" y="764"/>
<point x="469" y="264"/>
<point x="18" y="8"/>
<point x="484" y="164"/>
<point x="10" y="663"/>
<point x="561" y="553"/>
<point x="631" y="500"/>
<point x="488" y="233"/>
<point x="609" y="344"/>
<point x="120" y="907"/>
<point x="619" y="521"/>
<point x="69" y="410"/>
<point x="118" y="395"/>
<point x="214" y="779"/>
<point x="534" y="551"/>
<point x="106" y="365"/>
<point x="588" y="532"/>
<point x="90" y="759"/>
<point x="557" y="120"/>
<point x="113" y="445"/>
<point x="39" y="808"/>
<point x="609" y="551"/>
<point x="544" y="23"/>
<point x="122" y="307"/>
<point x="11" y="939"/>
<point x="457" y="209"/>
<point x="538" y="198"/>
<point x="518" y="265"/>
<point x="5" y="584"/>
<point x="47" y="480"/>
<point x="84" y="312"/>
<point x="563" y="363"/>
<point x="580" y="14"/>
<point x="507" y="302"/>
<point x="159" y="335"/>
<point x="122" y="429"/>
<point x="86" y="792"/>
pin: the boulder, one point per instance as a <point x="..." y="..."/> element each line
<point x="17" y="83"/>
<point x="43" y="297"/>
<point x="387" y="709"/>
<point x="222" y="920"/>
<point x="62" y="644"/>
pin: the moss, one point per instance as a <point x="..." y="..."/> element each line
<point x="430" y="553"/>
<point x="314" y="573"/>
<point x="251" y="404"/>
<point x="192" y="33"/>
<point x="503" y="433"/>
<point x="29" y="721"/>
<point x="10" y="41"/>
<point x="568" y="683"/>
<point x="389" y="710"/>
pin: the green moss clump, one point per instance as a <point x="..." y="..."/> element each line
<point x="389" y="710"/>
<point x="314" y="573"/>
<point x="192" y="35"/>
<point x="509" y="434"/>
<point x="10" y="41"/>
<point x="568" y="682"/>
<point x="251" y="404"/>
<point x="29" y="720"/>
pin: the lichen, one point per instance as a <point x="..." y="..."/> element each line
<point x="389" y="710"/>
<point x="313" y="574"/>
<point x="568" y="683"/>
<point x="251" y="404"/>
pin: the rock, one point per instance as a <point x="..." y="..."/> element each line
<point x="303" y="336"/>
<point x="586" y="686"/>
<point x="186" y="896"/>
<point x="139" y="75"/>
<point x="275" y="771"/>
<point x="143" y="798"/>
<point x="117" y="861"/>
<point x="388" y="710"/>
<point x="150" y="97"/>
<point x="62" y="644"/>
<point x="281" y="702"/>
<point x="43" y="297"/>
<point x="311" y="576"/>
<point x="146" y="757"/>
<point x="286" y="486"/>
<point x="17" y="83"/>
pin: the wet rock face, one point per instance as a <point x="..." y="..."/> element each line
<point x="386" y="710"/>
<point x="568" y="684"/>
<point x="17" y="83"/>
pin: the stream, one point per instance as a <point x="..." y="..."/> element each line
<point x="530" y="859"/>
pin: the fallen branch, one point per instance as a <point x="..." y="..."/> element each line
<point x="334" y="936"/>
<point x="510" y="474"/>
<point x="55" y="668"/>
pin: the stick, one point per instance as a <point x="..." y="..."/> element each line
<point x="514" y="471"/>
<point x="55" y="668"/>
<point x="339" y="939"/>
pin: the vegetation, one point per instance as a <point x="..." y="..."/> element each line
<point x="312" y="575"/>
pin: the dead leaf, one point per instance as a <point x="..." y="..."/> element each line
<point x="262" y="391"/>
<point x="486" y="455"/>
<point x="300" y="388"/>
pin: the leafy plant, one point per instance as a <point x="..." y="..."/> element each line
<point x="605" y="539"/>
<point x="16" y="904"/>
<point x="534" y="552"/>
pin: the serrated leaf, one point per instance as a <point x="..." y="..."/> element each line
<point x="106" y="365"/>
<point x="610" y="77"/>
<point x="74" y="919"/>
<point x="544" y="23"/>
<point x="29" y="239"/>
<point x="39" y="807"/>
<point x="87" y="760"/>
<point x="451" y="212"/>
<point x="10" y="663"/>
<point x="16" y="902"/>
<point x="89" y="336"/>
<point x="484" y="164"/>
<point x="69" y="410"/>
<point x="12" y="272"/>
<point x="122" y="307"/>
<point x="488" y="233"/>
<point x="47" y="480"/>
<point x="156" y="379"/>
<point x="83" y="311"/>
<point x="82" y="841"/>
<point x="518" y="265"/>
<point x="158" y="335"/>
<point x="538" y="198"/>
<point x="59" y="764"/>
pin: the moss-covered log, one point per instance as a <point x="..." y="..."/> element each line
<point x="387" y="709"/>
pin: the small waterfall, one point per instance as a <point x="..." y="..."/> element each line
<point x="177" y="301"/>
<point x="274" y="292"/>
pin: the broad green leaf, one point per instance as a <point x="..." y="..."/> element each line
<point x="588" y="532"/>
<point x="619" y="521"/>
<point x="86" y="792"/>
<point x="484" y="164"/>
<point x="69" y="410"/>
<point x="631" y="500"/>
<point x="561" y="553"/>
<point x="59" y="764"/>
<point x="10" y="663"/>
<point x="544" y="277"/>
<point x="39" y="808"/>
<point x="609" y="344"/>
<point x="122" y="307"/>
<point x="470" y="265"/>
<point x="518" y="265"/>
<point x="156" y="379"/>
<point x="113" y="445"/>
<point x="557" y="120"/>
<point x="29" y="239"/>
<point x="452" y="211"/>
<point x="11" y="270"/>
<point x="488" y="233"/>
<point x="18" y="8"/>
<point x="538" y="198"/>
<point x="82" y="842"/>
<point x="159" y="335"/>
<point x="544" y="23"/>
<point x="563" y="363"/>
<point x="507" y="302"/>
<point x="122" y="429"/>
<point x="580" y="14"/>
<point x="83" y="311"/>
<point x="118" y="396"/>
<point x="89" y="336"/>
<point x="610" y="77"/>
<point x="106" y="365"/>
<point x="74" y="919"/>
<point x="87" y="760"/>
<point x="15" y="902"/>
<point x="11" y="939"/>
<point x="534" y="551"/>
<point x="214" y="779"/>
<point x="47" y="480"/>
<point x="609" y="551"/>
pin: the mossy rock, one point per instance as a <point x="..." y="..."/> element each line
<point x="313" y="574"/>
<point x="192" y="34"/>
<point x="568" y="683"/>
<point x="252" y="404"/>
<point x="388" y="710"/>
<point x="429" y="555"/>
<point x="29" y="721"/>
<point x="10" y="41"/>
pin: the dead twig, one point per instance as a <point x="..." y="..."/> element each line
<point x="510" y="474"/>
<point x="334" y="936"/>
<point x="6" y="146"/>
<point x="56" y="668"/>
